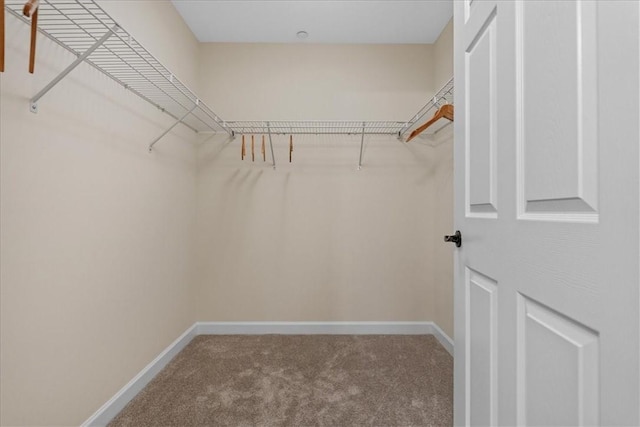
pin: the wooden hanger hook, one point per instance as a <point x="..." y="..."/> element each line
<point x="290" y="148"/>
<point x="444" y="112"/>
<point x="30" y="10"/>
<point x="253" y="149"/>
<point x="1" y="36"/>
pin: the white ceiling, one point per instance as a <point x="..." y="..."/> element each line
<point x="326" y="21"/>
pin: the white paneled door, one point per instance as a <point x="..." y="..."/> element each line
<point x="547" y="199"/>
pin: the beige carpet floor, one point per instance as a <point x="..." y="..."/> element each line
<point x="300" y="380"/>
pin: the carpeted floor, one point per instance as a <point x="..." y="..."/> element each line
<point x="300" y="380"/>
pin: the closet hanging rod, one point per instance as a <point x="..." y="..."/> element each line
<point x="443" y="96"/>
<point x="79" y="26"/>
<point x="311" y="127"/>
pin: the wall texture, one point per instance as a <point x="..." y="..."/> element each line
<point x="318" y="240"/>
<point x="96" y="245"/>
<point x="443" y="182"/>
<point x="316" y="82"/>
<point x="108" y="253"/>
<point x="443" y="57"/>
<point x="443" y="224"/>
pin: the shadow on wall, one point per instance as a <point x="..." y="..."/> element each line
<point x="326" y="153"/>
<point x="215" y="146"/>
<point x="316" y="239"/>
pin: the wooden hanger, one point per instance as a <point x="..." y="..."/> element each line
<point x="444" y="112"/>
<point x="31" y="11"/>
<point x="1" y="36"/>
<point x="253" y="150"/>
<point x="264" y="152"/>
<point x="290" y="148"/>
<point x="242" y="151"/>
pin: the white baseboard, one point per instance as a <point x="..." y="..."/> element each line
<point x="445" y="340"/>
<point x="110" y="409"/>
<point x="326" y="328"/>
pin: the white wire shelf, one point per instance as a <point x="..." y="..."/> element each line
<point x="443" y="96"/>
<point x="309" y="127"/>
<point x="86" y="30"/>
<point x="83" y="28"/>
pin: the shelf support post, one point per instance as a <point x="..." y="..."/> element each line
<point x="177" y="122"/>
<point x="361" y="146"/>
<point x="62" y="75"/>
<point x="271" y="145"/>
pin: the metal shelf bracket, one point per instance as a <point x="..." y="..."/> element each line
<point x="71" y="67"/>
<point x="364" y="125"/>
<point x="176" y="123"/>
<point x="271" y="145"/>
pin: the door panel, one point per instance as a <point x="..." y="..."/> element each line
<point x="481" y="139"/>
<point x="547" y="197"/>
<point x="558" y="368"/>
<point x="482" y="344"/>
<point x="557" y="110"/>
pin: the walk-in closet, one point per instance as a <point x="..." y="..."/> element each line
<point x="319" y="213"/>
<point x="226" y="213"/>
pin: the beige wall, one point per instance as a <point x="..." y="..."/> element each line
<point x="443" y="56"/>
<point x="318" y="239"/>
<point x="108" y="253"/>
<point x="316" y="82"/>
<point x="443" y="224"/>
<point x="443" y="181"/>
<point x="96" y="244"/>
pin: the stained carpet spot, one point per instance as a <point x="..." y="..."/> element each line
<point x="300" y="380"/>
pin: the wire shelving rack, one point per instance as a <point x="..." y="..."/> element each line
<point x="443" y="96"/>
<point x="83" y="28"/>
<point x="312" y="127"/>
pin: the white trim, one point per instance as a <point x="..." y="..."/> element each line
<point x="326" y="328"/>
<point x="444" y="339"/>
<point x="315" y="328"/>
<point x="109" y="410"/>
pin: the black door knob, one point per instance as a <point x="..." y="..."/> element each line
<point x="456" y="238"/>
